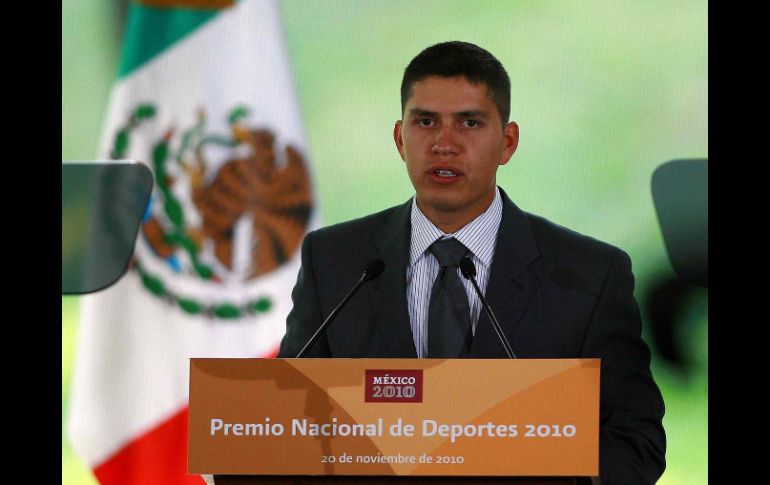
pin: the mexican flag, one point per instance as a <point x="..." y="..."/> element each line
<point x="205" y="97"/>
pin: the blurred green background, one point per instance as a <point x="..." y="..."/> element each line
<point x="603" y="92"/>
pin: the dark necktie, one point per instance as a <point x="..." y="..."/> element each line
<point x="449" y="315"/>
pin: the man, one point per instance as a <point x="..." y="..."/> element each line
<point x="556" y="293"/>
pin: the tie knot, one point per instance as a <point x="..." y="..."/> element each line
<point x="448" y="252"/>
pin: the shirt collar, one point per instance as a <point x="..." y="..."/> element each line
<point x="479" y="235"/>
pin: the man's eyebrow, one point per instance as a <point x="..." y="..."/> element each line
<point x="474" y="113"/>
<point x="421" y="112"/>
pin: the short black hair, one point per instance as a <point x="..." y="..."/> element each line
<point x="456" y="58"/>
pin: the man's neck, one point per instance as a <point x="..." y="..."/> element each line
<point x="452" y="221"/>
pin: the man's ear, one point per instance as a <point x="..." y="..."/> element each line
<point x="398" y="138"/>
<point x="510" y="140"/>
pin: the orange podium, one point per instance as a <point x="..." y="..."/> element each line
<point x="478" y="420"/>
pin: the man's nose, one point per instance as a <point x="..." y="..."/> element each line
<point x="445" y="142"/>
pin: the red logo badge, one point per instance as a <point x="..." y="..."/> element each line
<point x="397" y="385"/>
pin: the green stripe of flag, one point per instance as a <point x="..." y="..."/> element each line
<point x="150" y="30"/>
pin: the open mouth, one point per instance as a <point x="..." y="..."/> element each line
<point x="445" y="173"/>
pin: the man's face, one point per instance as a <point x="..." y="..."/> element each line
<point x="452" y="141"/>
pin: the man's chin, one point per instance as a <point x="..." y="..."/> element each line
<point x="452" y="202"/>
<point x="445" y="203"/>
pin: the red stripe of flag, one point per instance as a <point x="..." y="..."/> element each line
<point x="159" y="457"/>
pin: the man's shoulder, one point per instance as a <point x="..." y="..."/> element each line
<point x="562" y="243"/>
<point x="538" y="236"/>
<point x="356" y="229"/>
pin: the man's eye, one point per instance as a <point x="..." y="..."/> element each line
<point x="471" y="123"/>
<point x="425" y="122"/>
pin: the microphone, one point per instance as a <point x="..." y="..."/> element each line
<point x="372" y="270"/>
<point x="469" y="272"/>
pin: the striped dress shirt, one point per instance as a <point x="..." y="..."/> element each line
<point x="480" y="236"/>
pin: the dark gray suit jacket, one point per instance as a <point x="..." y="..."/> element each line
<point x="556" y="293"/>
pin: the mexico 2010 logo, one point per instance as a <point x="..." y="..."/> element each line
<point x="228" y="209"/>
<point x="393" y="385"/>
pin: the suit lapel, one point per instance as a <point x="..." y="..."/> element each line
<point x="388" y="292"/>
<point x="511" y="283"/>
